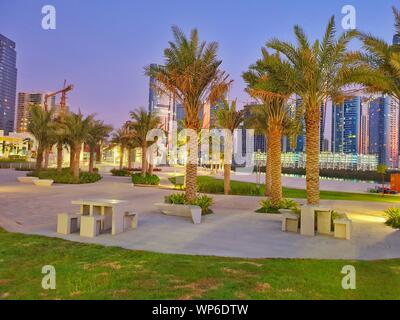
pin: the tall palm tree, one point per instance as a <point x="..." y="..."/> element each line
<point x="78" y="130"/>
<point x="315" y="72"/>
<point x="142" y="123"/>
<point x="261" y="85"/>
<point x="228" y="118"/>
<point x="98" y="131"/>
<point x="41" y="126"/>
<point x="258" y="119"/>
<point x="193" y="76"/>
<point x="122" y="137"/>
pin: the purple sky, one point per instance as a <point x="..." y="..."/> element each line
<point x="101" y="46"/>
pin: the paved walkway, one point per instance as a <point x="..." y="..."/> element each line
<point x="234" y="230"/>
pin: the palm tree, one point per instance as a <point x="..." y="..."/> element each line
<point x="192" y="75"/>
<point x="257" y="119"/>
<point x="98" y="131"/>
<point x="142" y="123"/>
<point x="315" y="72"/>
<point x="261" y="83"/>
<point x="379" y="63"/>
<point x="228" y="118"/>
<point x="78" y="130"/>
<point x="41" y="126"/>
<point x="122" y="137"/>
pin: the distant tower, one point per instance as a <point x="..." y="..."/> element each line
<point x="25" y="101"/>
<point x="346" y="126"/>
<point x="8" y="83"/>
<point x="383" y="130"/>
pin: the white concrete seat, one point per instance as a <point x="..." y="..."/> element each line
<point x="43" y="182"/>
<point x="342" y="227"/>
<point x="290" y="222"/>
<point x="324" y="221"/>
<point x="91" y="225"/>
<point x="181" y="210"/>
<point x="130" y="220"/>
<point x="27" y="179"/>
<point x="68" y="223"/>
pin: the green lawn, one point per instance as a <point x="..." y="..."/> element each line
<point x="96" y="272"/>
<point x="213" y="185"/>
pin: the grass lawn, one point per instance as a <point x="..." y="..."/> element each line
<point x="96" y="272"/>
<point x="213" y="185"/>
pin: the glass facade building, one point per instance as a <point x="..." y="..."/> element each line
<point x="346" y="126"/>
<point x="383" y="130"/>
<point x="8" y="83"/>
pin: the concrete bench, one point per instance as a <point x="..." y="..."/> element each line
<point x="324" y="221"/>
<point x="342" y="227"/>
<point x="27" y="179"/>
<point x="181" y="210"/>
<point x="91" y="225"/>
<point x="68" y="223"/>
<point x="130" y="221"/>
<point x="43" y="182"/>
<point x="290" y="222"/>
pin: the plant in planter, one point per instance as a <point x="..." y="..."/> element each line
<point x="393" y="218"/>
<point x="119" y="173"/>
<point x="268" y="207"/>
<point x="147" y="179"/>
<point x="203" y="201"/>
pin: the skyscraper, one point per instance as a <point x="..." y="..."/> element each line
<point x="383" y="130"/>
<point x="25" y="101"/>
<point x="346" y="126"/>
<point x="8" y="83"/>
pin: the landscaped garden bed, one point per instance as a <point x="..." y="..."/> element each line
<point x="213" y="185"/>
<point x="66" y="176"/>
<point x="145" y="180"/>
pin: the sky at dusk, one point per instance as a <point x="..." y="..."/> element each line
<point x="102" y="46"/>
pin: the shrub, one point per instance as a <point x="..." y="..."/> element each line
<point x="66" y="176"/>
<point x="120" y="173"/>
<point x="147" y="179"/>
<point x="393" y="218"/>
<point x="203" y="201"/>
<point x="268" y="207"/>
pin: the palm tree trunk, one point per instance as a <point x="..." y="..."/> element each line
<point x="121" y="158"/>
<point x="77" y="160"/>
<point x="39" y="158"/>
<point x="268" y="177"/>
<point x="46" y="158"/>
<point x="59" y="157"/>
<point x="91" y="160"/>
<point x="312" y="152"/>
<point x="130" y="158"/>
<point x="191" y="170"/>
<point x="99" y="155"/>
<point x="144" y="160"/>
<point x="275" y="143"/>
<point x="71" y="157"/>
<point x="227" y="178"/>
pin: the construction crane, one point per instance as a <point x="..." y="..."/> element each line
<point x="63" y="101"/>
<point x="63" y="109"/>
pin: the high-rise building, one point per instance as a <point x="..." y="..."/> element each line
<point x="346" y="126"/>
<point x="25" y="101"/>
<point x="8" y="83"/>
<point x="383" y="130"/>
<point x="161" y="103"/>
<point x="363" y="141"/>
